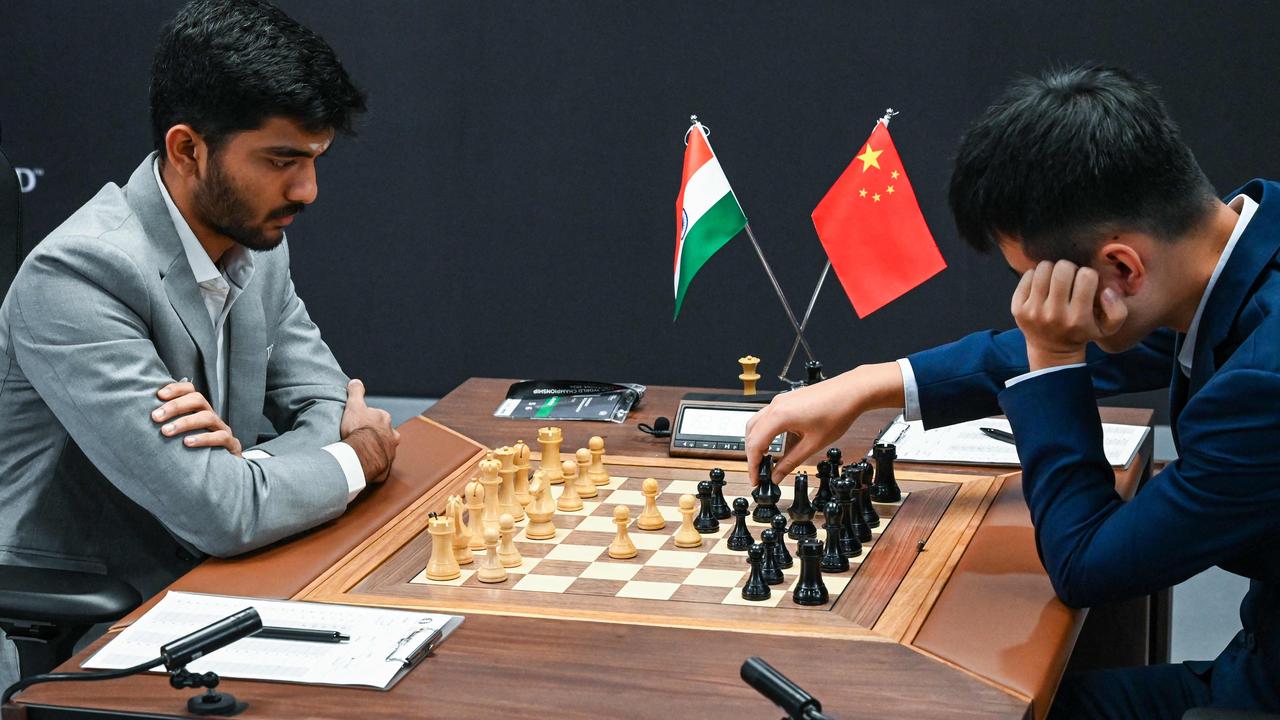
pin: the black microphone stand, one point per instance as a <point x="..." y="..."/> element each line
<point x="798" y="704"/>
<point x="175" y="656"/>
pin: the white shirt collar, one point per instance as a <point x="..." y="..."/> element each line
<point x="237" y="261"/>
<point x="1247" y="208"/>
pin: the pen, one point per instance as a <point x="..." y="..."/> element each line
<point x="996" y="434"/>
<point x="281" y="633"/>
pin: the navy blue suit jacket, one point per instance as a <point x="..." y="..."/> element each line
<point x="1218" y="504"/>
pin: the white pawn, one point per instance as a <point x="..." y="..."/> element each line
<point x="475" y="505"/>
<point x="491" y="570"/>
<point x="598" y="474"/>
<point x="687" y="536"/>
<point x="569" y="501"/>
<point x="622" y="548"/>
<point x="508" y="555"/>
<point x="650" y="518"/>
<point x="586" y="488"/>
<point x="540" y="509"/>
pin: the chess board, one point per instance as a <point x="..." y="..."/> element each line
<point x="576" y="561"/>
<point x="886" y="591"/>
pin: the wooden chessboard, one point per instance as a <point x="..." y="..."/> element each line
<point x="886" y="591"/>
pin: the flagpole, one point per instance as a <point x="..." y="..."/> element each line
<point x="888" y="115"/>
<point x="778" y="289"/>
<point x="804" y="323"/>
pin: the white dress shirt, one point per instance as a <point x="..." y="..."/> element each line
<point x="220" y="288"/>
<point x="1242" y="204"/>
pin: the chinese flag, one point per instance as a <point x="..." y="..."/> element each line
<point x="870" y="225"/>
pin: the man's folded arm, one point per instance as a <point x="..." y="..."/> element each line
<point x="1211" y="505"/>
<point x="87" y="350"/>
<point x="961" y="380"/>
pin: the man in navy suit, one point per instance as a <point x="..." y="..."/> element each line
<point x="1134" y="275"/>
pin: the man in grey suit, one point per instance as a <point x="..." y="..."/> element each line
<point x="145" y="338"/>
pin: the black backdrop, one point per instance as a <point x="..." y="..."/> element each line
<point x="508" y="207"/>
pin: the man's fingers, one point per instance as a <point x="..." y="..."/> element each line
<point x="175" y="389"/>
<point x="1022" y="292"/>
<point x="1113" y="311"/>
<point x="761" y="430"/>
<point x="184" y="405"/>
<point x="794" y="456"/>
<point x="1041" y="279"/>
<point x="195" y="421"/>
<point x="218" y="438"/>
<point x="355" y="392"/>
<point x="1083" y="293"/>
<point x="1061" y="280"/>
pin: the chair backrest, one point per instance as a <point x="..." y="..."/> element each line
<point x="10" y="223"/>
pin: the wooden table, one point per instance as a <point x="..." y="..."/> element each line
<point x="990" y="639"/>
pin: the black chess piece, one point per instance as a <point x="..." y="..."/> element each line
<point x="858" y="519"/>
<point x="869" y="514"/>
<point x="810" y="590"/>
<point x="740" y="537"/>
<point x="850" y="542"/>
<point x="769" y="570"/>
<point x="719" y="507"/>
<point x="767" y="492"/>
<point x="813" y="372"/>
<point x="833" y="560"/>
<point x="780" y="551"/>
<point x="885" y="488"/>
<point x="802" y="511"/>
<point x="835" y="456"/>
<point x="756" y="588"/>
<point x="705" y="523"/>
<point x="824" y="485"/>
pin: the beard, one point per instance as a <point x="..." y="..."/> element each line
<point x="222" y="205"/>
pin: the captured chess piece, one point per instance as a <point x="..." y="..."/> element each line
<point x="549" y="440"/>
<point x="598" y="474"/>
<point x="687" y="536"/>
<point x="521" y="480"/>
<point x="586" y="488"/>
<point x="719" y="507"/>
<point x="540" y="509"/>
<point x="869" y="514"/>
<point x="770" y="570"/>
<point x="885" y="488"/>
<point x="756" y="588"/>
<point x="508" y="555"/>
<point x="810" y="590"/>
<point x="824" y="485"/>
<point x="706" y="523"/>
<point x="650" y="517"/>
<point x="453" y="509"/>
<point x="740" y="536"/>
<point x="749" y="376"/>
<point x="766" y="493"/>
<point x="569" y="500"/>
<point x="802" y="511"/>
<point x="781" y="553"/>
<point x="833" y="560"/>
<point x="622" y="548"/>
<point x="491" y="570"/>
<point x="443" y="565"/>
<point x="813" y="372"/>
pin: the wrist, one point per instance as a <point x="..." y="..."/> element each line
<point x="878" y="385"/>
<point x="1040" y="358"/>
<point x="369" y="450"/>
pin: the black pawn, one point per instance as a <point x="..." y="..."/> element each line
<point x="802" y="511"/>
<point x="769" y="570"/>
<point x="740" y="537"/>
<point x="719" y="507"/>
<point x="850" y="517"/>
<point x="810" y="590"/>
<point x="705" y="523"/>
<point x="885" y="489"/>
<point x="780" y="550"/>
<point x="756" y="588"/>
<point x="813" y="372"/>
<point x="767" y="492"/>
<point x="869" y="514"/>
<point x="833" y="560"/>
<point x="835" y="456"/>
<point x="824" y="485"/>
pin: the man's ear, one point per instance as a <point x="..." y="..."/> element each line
<point x="185" y="150"/>
<point x="1120" y="263"/>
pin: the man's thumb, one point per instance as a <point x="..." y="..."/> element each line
<point x="1114" y="312"/>
<point x="355" y="391"/>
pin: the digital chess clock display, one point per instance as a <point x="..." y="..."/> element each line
<point x="715" y="427"/>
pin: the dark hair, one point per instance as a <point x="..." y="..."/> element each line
<point x="1064" y="157"/>
<point x="226" y="66"/>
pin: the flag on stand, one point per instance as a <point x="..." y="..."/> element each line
<point x="870" y="225"/>
<point x="707" y="212"/>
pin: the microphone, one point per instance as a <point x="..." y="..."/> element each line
<point x="798" y="704"/>
<point x="661" y="428"/>
<point x="189" y="648"/>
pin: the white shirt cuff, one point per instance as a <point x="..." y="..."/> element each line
<point x="911" y="408"/>
<point x="1037" y="373"/>
<point x="350" y="462"/>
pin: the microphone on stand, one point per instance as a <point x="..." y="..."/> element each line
<point x="798" y="704"/>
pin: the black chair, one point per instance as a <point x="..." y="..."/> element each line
<point x="44" y="612"/>
<point x="1211" y="714"/>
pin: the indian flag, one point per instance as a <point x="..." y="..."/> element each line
<point x="707" y="212"/>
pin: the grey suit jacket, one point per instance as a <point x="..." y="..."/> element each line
<point x="103" y="313"/>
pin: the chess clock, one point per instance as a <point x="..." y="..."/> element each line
<point x="715" y="428"/>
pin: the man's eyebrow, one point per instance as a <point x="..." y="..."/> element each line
<point x="291" y="152"/>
